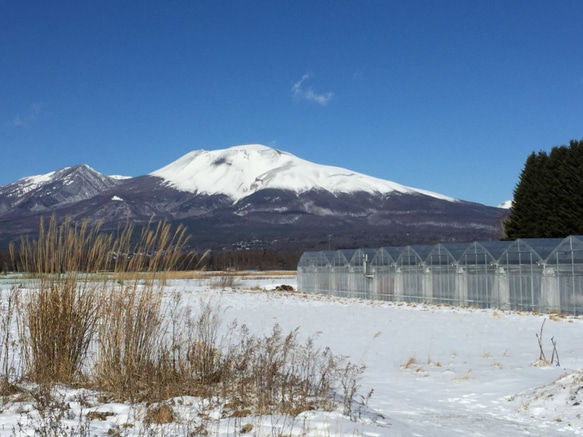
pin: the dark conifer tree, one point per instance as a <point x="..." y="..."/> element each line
<point x="559" y="221"/>
<point x="548" y="199"/>
<point x="527" y="195"/>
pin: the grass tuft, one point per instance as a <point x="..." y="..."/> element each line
<point x="159" y="414"/>
<point x="95" y="312"/>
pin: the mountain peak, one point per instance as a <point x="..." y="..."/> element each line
<point x="240" y="171"/>
<point x="49" y="190"/>
<point x="251" y="193"/>
<point x="249" y="147"/>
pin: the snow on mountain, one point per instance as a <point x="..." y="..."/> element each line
<point x="66" y="176"/>
<point x="53" y="190"/>
<point x="240" y="171"/>
<point x="259" y="191"/>
<point x="506" y="205"/>
<point x="28" y="184"/>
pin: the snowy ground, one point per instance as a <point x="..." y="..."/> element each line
<point x="430" y="370"/>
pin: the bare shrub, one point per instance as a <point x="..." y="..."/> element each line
<point x="349" y="378"/>
<point x="279" y="373"/>
<point x="243" y="373"/>
<point x="51" y="416"/>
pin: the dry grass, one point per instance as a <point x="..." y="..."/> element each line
<point x="430" y="362"/>
<point x="224" y="280"/>
<point x="71" y="308"/>
<point x="127" y="341"/>
<point x="8" y="343"/>
<point x="247" y="428"/>
<point x="57" y="321"/>
<point x="96" y="313"/>
<point x="410" y="363"/>
<point x="555" y="317"/>
<point x="159" y="414"/>
<point x="463" y="377"/>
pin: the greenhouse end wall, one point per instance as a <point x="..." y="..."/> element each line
<point x="544" y="275"/>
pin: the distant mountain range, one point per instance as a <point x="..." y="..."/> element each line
<point x="251" y="197"/>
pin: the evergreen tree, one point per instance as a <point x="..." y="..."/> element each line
<point x="548" y="199"/>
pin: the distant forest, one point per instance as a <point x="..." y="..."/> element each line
<point x="548" y="199"/>
<point x="233" y="260"/>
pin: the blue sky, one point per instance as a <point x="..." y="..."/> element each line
<point x="448" y="96"/>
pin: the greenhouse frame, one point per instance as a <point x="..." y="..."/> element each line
<point x="543" y="275"/>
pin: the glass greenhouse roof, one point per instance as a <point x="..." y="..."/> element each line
<point x="521" y="251"/>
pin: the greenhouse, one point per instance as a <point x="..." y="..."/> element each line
<point x="544" y="275"/>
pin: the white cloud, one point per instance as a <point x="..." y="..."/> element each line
<point x="300" y="92"/>
<point x="28" y="117"/>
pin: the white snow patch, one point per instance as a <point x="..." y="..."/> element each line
<point x="31" y="183"/>
<point x="242" y="170"/>
<point x="116" y="198"/>
<point x="434" y="371"/>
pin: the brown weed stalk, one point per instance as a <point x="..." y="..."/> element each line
<point x="58" y="315"/>
<point x="131" y="331"/>
<point x="96" y="312"/>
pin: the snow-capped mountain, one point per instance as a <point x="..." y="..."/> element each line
<point x="251" y="193"/>
<point x="506" y="205"/>
<point x="51" y="190"/>
<point x="240" y="171"/>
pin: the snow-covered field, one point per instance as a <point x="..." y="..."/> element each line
<point x="430" y="370"/>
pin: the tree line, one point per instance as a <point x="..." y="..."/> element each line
<point x="233" y="260"/>
<point x="548" y="198"/>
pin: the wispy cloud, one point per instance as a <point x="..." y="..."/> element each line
<point x="301" y="92"/>
<point x="27" y="117"/>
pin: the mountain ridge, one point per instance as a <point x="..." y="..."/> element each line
<point x="66" y="185"/>
<point x="250" y="193"/>
<point x="242" y="170"/>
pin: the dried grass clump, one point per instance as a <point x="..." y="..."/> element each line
<point x="224" y="280"/>
<point x="94" y="312"/>
<point x="159" y="414"/>
<point x="131" y="331"/>
<point x="247" y="428"/>
<point x="58" y="315"/>
<point x="279" y="373"/>
<point x="410" y="363"/>
<point x="69" y="308"/>
<point x="246" y="374"/>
